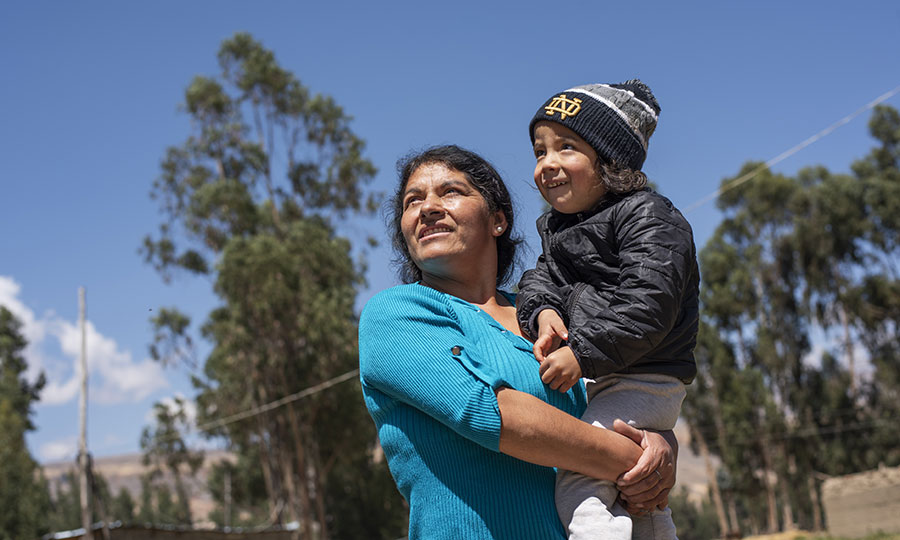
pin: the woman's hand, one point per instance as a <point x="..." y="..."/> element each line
<point x="647" y="484"/>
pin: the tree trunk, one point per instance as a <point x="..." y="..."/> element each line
<point x="271" y="452"/>
<point x="787" y="510"/>
<point x="265" y="463"/>
<point x="184" y="500"/>
<point x="287" y="473"/>
<point x="722" y="440"/>
<point x="742" y="347"/>
<point x="768" y="480"/>
<point x="267" y="146"/>
<point x="848" y="348"/>
<point x="787" y="506"/>
<point x="816" y="501"/>
<point x="319" y="487"/>
<point x="300" y="455"/>
<point x="732" y="514"/>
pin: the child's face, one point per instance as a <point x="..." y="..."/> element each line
<point x="565" y="173"/>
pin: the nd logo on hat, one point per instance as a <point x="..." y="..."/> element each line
<point x="564" y="106"/>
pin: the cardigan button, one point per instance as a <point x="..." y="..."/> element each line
<point x="456" y="350"/>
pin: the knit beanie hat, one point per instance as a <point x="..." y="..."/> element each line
<point x="615" y="119"/>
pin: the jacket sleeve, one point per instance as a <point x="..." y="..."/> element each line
<point x="612" y="331"/>
<point x="538" y="291"/>
<point x="412" y="350"/>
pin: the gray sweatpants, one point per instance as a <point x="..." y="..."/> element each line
<point x="587" y="506"/>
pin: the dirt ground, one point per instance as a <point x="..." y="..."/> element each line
<point x="806" y="535"/>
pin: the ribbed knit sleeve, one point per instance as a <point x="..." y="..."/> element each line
<point x="429" y="365"/>
<point x="413" y="350"/>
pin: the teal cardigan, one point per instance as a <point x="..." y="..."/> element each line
<point x="430" y="364"/>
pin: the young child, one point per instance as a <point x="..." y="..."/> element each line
<point x="616" y="285"/>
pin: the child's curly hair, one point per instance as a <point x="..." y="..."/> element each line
<point x="618" y="179"/>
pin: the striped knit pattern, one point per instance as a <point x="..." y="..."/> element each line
<point x="430" y="364"/>
<point x="617" y="120"/>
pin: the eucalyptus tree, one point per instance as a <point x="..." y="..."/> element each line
<point x="238" y="490"/>
<point x="165" y="453"/>
<point x="251" y="199"/>
<point x="878" y="294"/>
<point x="24" y="502"/>
<point x="750" y="294"/>
<point x="829" y="223"/>
<point x="820" y="250"/>
<point x="879" y="173"/>
<point x="847" y="245"/>
<point x="702" y="409"/>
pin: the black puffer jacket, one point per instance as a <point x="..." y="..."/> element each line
<point x="624" y="278"/>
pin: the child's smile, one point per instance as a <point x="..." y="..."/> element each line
<point x="565" y="171"/>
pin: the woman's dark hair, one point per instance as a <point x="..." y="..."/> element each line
<point x="482" y="176"/>
<point x="619" y="180"/>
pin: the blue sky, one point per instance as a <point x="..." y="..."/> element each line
<point x="90" y="100"/>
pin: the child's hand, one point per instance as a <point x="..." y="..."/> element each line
<point x="560" y="369"/>
<point x="551" y="332"/>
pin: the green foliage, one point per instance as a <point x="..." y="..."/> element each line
<point x="165" y="451"/>
<point x="171" y="341"/>
<point x="816" y="251"/>
<point x="250" y="199"/>
<point x="14" y="388"/>
<point x="65" y="506"/>
<point x="122" y="508"/>
<point x="24" y="500"/>
<point x="239" y="490"/>
<point x="691" y="521"/>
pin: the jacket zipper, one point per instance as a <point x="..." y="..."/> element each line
<point x="573" y="298"/>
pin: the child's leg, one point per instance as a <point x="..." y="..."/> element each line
<point x="656" y="525"/>
<point x="645" y="401"/>
<point x="587" y="508"/>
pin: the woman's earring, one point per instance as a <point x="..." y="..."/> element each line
<point x="499" y="229"/>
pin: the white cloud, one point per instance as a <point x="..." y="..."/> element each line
<point x="58" y="450"/>
<point x="115" y="377"/>
<point x="190" y="409"/>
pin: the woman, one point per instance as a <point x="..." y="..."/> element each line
<point x="470" y="432"/>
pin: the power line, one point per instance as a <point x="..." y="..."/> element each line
<point x="236" y="417"/>
<point x="278" y="402"/>
<point x="730" y="185"/>
<point x="788" y="153"/>
<point x="710" y="433"/>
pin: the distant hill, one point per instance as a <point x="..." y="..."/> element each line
<point x="125" y="471"/>
<point x="691" y="469"/>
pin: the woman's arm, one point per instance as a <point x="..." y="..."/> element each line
<point x="534" y="431"/>
<point x="412" y="350"/>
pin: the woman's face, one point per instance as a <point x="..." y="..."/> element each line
<point x="446" y="222"/>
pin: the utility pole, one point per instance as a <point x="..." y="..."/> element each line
<point x="82" y="439"/>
